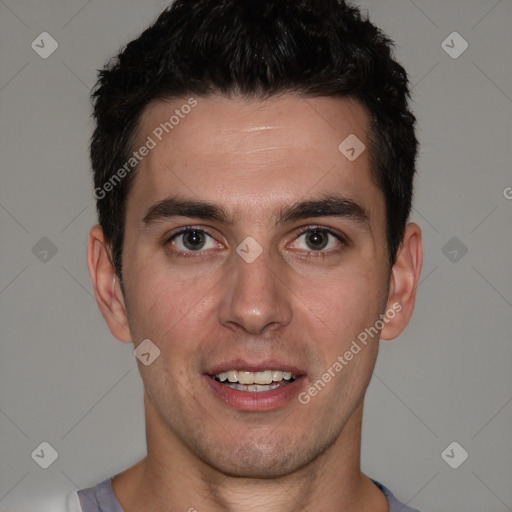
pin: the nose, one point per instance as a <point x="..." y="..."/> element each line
<point x="254" y="297"/>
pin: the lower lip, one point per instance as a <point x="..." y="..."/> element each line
<point x="255" y="400"/>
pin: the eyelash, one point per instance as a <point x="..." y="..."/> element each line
<point x="309" y="254"/>
<point x="322" y="254"/>
<point x="188" y="254"/>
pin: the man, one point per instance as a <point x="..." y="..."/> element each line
<point x="253" y="166"/>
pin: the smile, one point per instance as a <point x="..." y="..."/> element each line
<point x="255" y="382"/>
<point x="255" y="386"/>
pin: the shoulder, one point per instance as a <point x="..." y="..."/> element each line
<point x="100" y="498"/>
<point x="394" y="504"/>
<point x="73" y="503"/>
<point x="64" y="503"/>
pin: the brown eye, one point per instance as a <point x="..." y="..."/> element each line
<point x="194" y="240"/>
<point x="317" y="239"/>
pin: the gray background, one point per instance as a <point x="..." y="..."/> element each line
<point x="66" y="381"/>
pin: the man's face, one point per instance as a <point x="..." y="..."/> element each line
<point x="197" y="287"/>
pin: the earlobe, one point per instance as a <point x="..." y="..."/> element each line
<point x="404" y="281"/>
<point x="107" y="289"/>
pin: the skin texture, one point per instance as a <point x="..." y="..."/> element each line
<point x="292" y="305"/>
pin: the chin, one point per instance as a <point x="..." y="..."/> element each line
<point x="261" y="459"/>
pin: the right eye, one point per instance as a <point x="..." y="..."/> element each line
<point x="190" y="240"/>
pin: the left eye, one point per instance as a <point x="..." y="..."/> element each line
<point x="317" y="239"/>
<point x="193" y="240"/>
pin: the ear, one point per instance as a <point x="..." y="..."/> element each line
<point x="106" y="285"/>
<point x="404" y="280"/>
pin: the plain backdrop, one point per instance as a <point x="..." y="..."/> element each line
<point x="65" y="380"/>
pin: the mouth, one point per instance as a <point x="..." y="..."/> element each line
<point x="246" y="387"/>
<point x="255" y="382"/>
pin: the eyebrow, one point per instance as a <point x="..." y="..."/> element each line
<point x="178" y="207"/>
<point x="326" y="206"/>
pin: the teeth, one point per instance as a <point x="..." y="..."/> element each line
<point x="254" y="388"/>
<point x="263" y="377"/>
<point x="277" y="375"/>
<point x="248" y="378"/>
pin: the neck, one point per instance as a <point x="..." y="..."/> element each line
<point x="172" y="477"/>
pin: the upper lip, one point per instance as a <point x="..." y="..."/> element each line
<point x="243" y="365"/>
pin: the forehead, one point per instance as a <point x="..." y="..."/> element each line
<point x="252" y="154"/>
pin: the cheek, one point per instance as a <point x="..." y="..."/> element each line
<point x="345" y="303"/>
<point x="164" y="305"/>
<point x="347" y="312"/>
